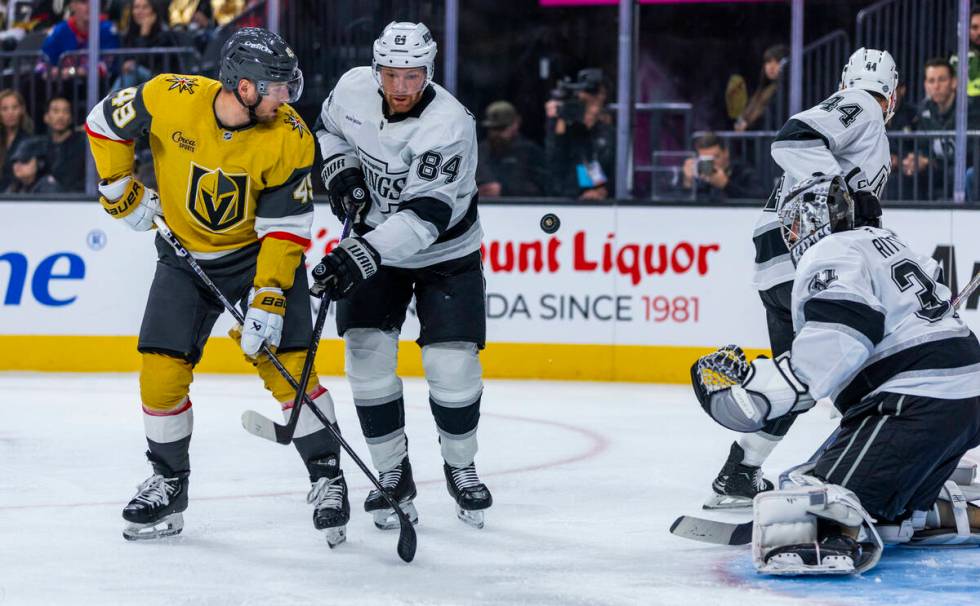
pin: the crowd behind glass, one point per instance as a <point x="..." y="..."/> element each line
<point x="42" y="143"/>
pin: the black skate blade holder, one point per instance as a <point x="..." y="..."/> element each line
<point x="407" y="539"/>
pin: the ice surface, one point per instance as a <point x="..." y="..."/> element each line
<point x="586" y="478"/>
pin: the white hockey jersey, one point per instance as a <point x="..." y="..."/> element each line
<point x="420" y="167"/>
<point x="844" y="135"/>
<point x="870" y="315"/>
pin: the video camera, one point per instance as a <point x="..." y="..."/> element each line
<point x="571" y="109"/>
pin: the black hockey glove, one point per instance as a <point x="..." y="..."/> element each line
<point x="348" y="193"/>
<point x="351" y="262"/>
<point x="867" y="209"/>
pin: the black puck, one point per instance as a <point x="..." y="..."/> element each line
<point x="550" y="223"/>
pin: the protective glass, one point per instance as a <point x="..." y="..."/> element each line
<point x="286" y="92"/>
<point x="402" y="81"/>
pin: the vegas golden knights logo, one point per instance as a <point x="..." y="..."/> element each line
<point x="217" y="199"/>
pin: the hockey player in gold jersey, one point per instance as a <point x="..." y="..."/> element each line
<point x="233" y="164"/>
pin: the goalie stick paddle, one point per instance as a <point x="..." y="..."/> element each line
<point x="712" y="531"/>
<point x="259" y="425"/>
<point x="407" y="539"/>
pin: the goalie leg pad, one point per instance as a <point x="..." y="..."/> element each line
<point x="808" y="529"/>
<point x="952" y="522"/>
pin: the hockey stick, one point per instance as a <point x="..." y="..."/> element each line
<point x="967" y="291"/>
<point x="407" y="539"/>
<point x="728" y="533"/>
<point x="259" y="425"/>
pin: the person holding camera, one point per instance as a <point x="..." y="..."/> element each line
<point x="715" y="176"/>
<point x="580" y="139"/>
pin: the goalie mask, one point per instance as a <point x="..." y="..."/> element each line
<point x="812" y="210"/>
<point x="874" y="71"/>
<point x="405" y="45"/>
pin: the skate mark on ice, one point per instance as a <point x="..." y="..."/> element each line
<point x="597" y="443"/>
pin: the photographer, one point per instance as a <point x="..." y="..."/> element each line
<point x="580" y="139"/>
<point x="715" y="175"/>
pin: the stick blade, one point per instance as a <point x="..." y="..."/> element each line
<point x="263" y="427"/>
<point x="712" y="531"/>
<point x="407" y="540"/>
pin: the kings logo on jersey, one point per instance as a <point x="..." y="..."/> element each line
<point x="217" y="199"/>
<point x="385" y="183"/>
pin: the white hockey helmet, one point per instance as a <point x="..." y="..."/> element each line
<point x="405" y="44"/>
<point x="872" y="70"/>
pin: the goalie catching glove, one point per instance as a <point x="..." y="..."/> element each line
<point x="351" y="262"/>
<point x="744" y="397"/>
<point x="131" y="201"/>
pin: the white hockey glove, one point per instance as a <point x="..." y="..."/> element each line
<point x="131" y="201"/>
<point x="263" y="321"/>
<point x="744" y="397"/>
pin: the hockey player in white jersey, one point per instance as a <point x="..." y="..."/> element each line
<point x="876" y="333"/>
<point x="390" y="131"/>
<point x="843" y="135"/>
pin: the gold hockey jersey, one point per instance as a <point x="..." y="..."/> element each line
<point x="221" y="188"/>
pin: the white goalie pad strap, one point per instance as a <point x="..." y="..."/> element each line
<point x="170" y="426"/>
<point x="334" y="165"/>
<point x="790" y="517"/>
<point x="929" y="529"/>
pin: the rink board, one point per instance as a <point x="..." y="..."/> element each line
<point x="625" y="293"/>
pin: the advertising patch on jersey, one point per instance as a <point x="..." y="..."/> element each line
<point x="822" y="280"/>
<point x="217" y="199"/>
<point x="182" y="84"/>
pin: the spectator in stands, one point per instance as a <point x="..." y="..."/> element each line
<point x="66" y="146"/>
<point x="717" y="177"/>
<point x="147" y="26"/>
<point x="72" y="33"/>
<point x="973" y="55"/>
<point x="580" y="141"/>
<point x="905" y="115"/>
<point x="29" y="169"/>
<point x="938" y="112"/>
<point x="760" y="104"/>
<point x="146" y="29"/>
<point x="509" y="164"/>
<point x="15" y="126"/>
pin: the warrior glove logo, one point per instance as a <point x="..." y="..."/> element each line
<point x="217" y="199"/>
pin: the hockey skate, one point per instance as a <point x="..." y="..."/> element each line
<point x="471" y="495"/>
<point x="328" y="495"/>
<point x="737" y="483"/>
<point x="400" y="486"/>
<point x="157" y="509"/>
